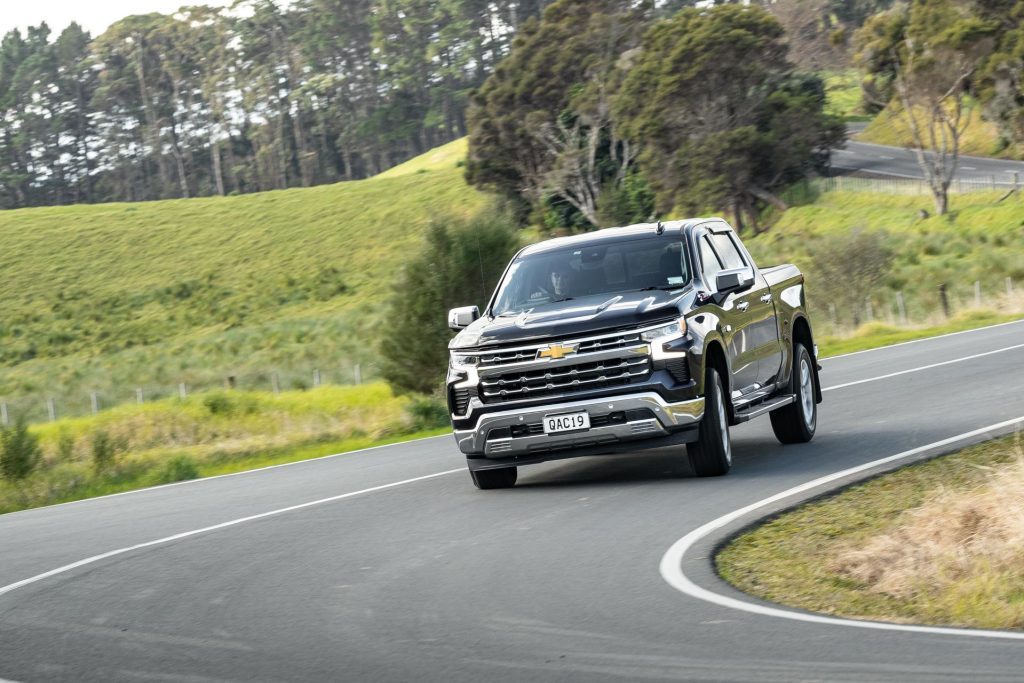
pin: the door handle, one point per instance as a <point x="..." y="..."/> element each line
<point x="742" y="305"/>
<point x="767" y="298"/>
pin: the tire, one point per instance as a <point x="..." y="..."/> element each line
<point x="711" y="454"/>
<point x="797" y="422"/>
<point x="494" y="479"/>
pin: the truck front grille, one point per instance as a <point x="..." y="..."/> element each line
<point x="618" y="340"/>
<point x="565" y="379"/>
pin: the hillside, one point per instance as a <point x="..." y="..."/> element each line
<point x="981" y="137"/>
<point x="113" y="297"/>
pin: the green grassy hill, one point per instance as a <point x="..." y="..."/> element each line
<point x="113" y="297"/>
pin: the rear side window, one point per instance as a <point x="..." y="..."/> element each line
<point x="726" y="248"/>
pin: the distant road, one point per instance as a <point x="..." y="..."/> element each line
<point x="387" y="565"/>
<point x="869" y="158"/>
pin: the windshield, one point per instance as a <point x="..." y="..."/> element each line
<point x="573" y="272"/>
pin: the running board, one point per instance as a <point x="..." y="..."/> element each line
<point x="762" y="408"/>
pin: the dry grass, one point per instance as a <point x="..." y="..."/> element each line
<point x="939" y="543"/>
<point x="962" y="552"/>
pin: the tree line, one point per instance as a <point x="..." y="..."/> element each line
<point x="255" y="97"/>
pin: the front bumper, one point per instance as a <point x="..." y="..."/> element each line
<point x="619" y="419"/>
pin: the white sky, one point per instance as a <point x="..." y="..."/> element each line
<point x="94" y="15"/>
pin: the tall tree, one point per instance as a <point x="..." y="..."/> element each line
<point x="540" y="127"/>
<point x="927" y="54"/>
<point x="724" y="120"/>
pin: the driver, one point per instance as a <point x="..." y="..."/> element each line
<point x="556" y="285"/>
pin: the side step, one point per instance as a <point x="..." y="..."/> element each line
<point x="762" y="408"/>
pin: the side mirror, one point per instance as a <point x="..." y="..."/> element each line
<point x="459" y="318"/>
<point x="736" y="280"/>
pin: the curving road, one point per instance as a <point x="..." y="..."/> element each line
<point x="882" y="160"/>
<point x="387" y="564"/>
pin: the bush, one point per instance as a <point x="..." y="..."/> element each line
<point x="178" y="468"/>
<point x="104" y="451"/>
<point x="848" y="268"/>
<point x="428" y="413"/>
<point x="19" y="451"/>
<point x="65" y="445"/>
<point x="459" y="266"/>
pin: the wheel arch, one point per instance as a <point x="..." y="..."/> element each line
<point x="802" y="335"/>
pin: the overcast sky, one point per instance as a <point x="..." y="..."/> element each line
<point x="95" y="16"/>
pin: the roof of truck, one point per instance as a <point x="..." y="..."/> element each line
<point x="607" y="235"/>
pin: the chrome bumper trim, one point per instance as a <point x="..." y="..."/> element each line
<point x="669" y="416"/>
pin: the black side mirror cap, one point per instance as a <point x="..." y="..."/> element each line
<point x="735" y="280"/>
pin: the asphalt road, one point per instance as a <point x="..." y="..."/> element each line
<point x="430" y="580"/>
<point x="869" y="158"/>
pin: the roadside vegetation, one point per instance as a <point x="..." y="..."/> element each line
<point x="216" y="432"/>
<point x="938" y="543"/>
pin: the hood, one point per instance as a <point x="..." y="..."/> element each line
<point x="576" y="317"/>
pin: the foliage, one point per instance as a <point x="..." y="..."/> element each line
<point x="848" y="268"/>
<point x="104" y="451"/>
<point x="19" y="451"/>
<point x="258" y="96"/>
<point x="539" y="127"/>
<point x="428" y="413"/>
<point x="925" y="56"/>
<point x="723" y="119"/>
<point x="178" y="468"/>
<point x="459" y="265"/>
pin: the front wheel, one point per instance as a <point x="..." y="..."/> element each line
<point x="797" y="422"/>
<point x="711" y="454"/>
<point x="494" y="479"/>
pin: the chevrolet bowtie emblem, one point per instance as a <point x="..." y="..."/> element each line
<point x="556" y="351"/>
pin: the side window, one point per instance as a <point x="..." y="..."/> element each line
<point x="726" y="248"/>
<point x="710" y="265"/>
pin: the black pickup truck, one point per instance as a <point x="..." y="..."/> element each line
<point x="645" y="336"/>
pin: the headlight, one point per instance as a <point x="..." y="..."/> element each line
<point x="464" y="359"/>
<point x="673" y="329"/>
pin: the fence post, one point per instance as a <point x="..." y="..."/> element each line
<point x="977" y="293"/>
<point x="316" y="377"/>
<point x="5" y="417"/>
<point x="182" y="391"/>
<point x="869" y="310"/>
<point x="138" y="395"/>
<point x="1016" y="180"/>
<point x="945" y="299"/>
<point x="992" y="182"/>
<point x="357" y="374"/>
<point x="901" y="307"/>
<point x="94" y="402"/>
<point x="51" y="409"/>
<point x="229" y="382"/>
<point x="1009" y="286"/>
<point x="275" y="382"/>
<point x="832" y="315"/>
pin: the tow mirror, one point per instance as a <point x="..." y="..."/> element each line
<point x="459" y="318"/>
<point x="729" y="281"/>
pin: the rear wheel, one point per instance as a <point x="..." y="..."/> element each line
<point x="711" y="454"/>
<point x="797" y="422"/>
<point x="494" y="479"/>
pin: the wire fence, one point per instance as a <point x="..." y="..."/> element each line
<point x="911" y="186"/>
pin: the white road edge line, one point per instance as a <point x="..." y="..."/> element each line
<point x="923" y="367"/>
<point x="922" y="339"/>
<point x="215" y="527"/>
<point x="671" y="566"/>
<point x="219" y="476"/>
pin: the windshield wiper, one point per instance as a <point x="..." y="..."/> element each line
<point x="565" y="298"/>
<point x="660" y="287"/>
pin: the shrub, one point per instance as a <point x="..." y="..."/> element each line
<point x="459" y="265"/>
<point x="19" y="451"/>
<point x="104" y="451"/>
<point x="178" y="468"/>
<point x="848" y="268"/>
<point x="428" y="413"/>
<point x="65" y="445"/>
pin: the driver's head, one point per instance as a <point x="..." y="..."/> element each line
<point x="560" y="281"/>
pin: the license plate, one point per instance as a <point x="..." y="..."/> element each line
<point x="569" y="422"/>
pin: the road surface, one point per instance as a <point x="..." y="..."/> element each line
<point x="869" y="158"/>
<point x="388" y="565"/>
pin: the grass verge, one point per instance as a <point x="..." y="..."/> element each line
<point x="135" y="446"/>
<point x="937" y="543"/>
<point x="875" y="335"/>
